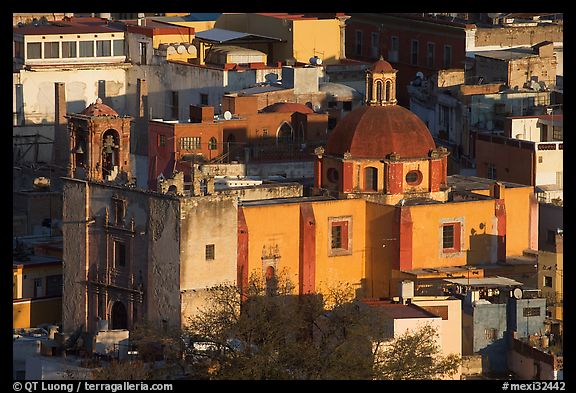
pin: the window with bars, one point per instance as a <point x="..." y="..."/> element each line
<point x="548" y="281"/>
<point x="491" y="334"/>
<point x="190" y="143"/>
<point x="451" y="235"/>
<point x="203" y="99"/>
<point x="339" y="239"/>
<point x="68" y="49"/>
<point x="212" y="144"/>
<point x="448" y="236"/>
<point x="210" y="254"/>
<point x="491" y="171"/>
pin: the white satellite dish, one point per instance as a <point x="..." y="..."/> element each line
<point x="271" y="78"/>
<point x="227" y="115"/>
<point x="517" y="293"/>
<point x="181" y="49"/>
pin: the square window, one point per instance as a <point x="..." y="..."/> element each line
<point x="68" y="49"/>
<point x="203" y="99"/>
<point x="51" y="50"/>
<point x="118" y="46"/>
<point x="339" y="236"/>
<point x="548" y="282"/>
<point x="86" y="48"/>
<point x="34" y="50"/>
<point x="210" y="252"/>
<point x="103" y="48"/>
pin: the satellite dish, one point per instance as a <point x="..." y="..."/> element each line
<point x="271" y="78"/>
<point x="517" y="293"/>
<point x="420" y="75"/>
<point x="227" y="115"/>
<point x="181" y="49"/>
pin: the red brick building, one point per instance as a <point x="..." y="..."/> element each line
<point x="279" y="131"/>
<point x="410" y="42"/>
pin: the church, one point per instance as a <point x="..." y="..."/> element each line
<point x="382" y="207"/>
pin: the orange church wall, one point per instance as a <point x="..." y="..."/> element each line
<point x="478" y="234"/>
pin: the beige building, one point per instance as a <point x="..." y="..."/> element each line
<point x="551" y="276"/>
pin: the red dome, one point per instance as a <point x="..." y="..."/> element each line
<point x="376" y="131"/>
<point x="99" y="109"/>
<point x="287" y="107"/>
<point x="382" y="66"/>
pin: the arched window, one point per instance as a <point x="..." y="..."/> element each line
<point x="370" y="179"/>
<point x="379" y="91"/>
<point x="110" y="152"/>
<point x="284" y="135"/>
<point x="119" y="316"/>
<point x="212" y="144"/>
<point x="388" y="90"/>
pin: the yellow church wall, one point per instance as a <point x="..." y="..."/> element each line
<point x="381" y="245"/>
<point x="424" y="167"/>
<point x="332" y="271"/>
<point x="274" y="226"/>
<point x="478" y="234"/>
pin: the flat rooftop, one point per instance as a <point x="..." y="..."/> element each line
<point x="399" y="311"/>
<point x="280" y="201"/>
<point x="33" y="260"/>
<point x="469" y="183"/>
<point x="485" y="282"/>
<point x="507" y="54"/>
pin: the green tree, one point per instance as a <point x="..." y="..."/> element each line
<point x="414" y="355"/>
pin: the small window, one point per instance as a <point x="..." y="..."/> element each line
<point x="414" y="178"/>
<point x="394" y="49"/>
<point x="447" y="56"/>
<point x="359" y="42"/>
<point x="38" y="287"/>
<point x="210" y="252"/>
<point x="332" y="104"/>
<point x="414" y="52"/>
<point x="19" y="50"/>
<point x="203" y="99"/>
<point x="539" y="159"/>
<point x="339" y="241"/>
<point x="119" y="254"/>
<point x="347" y="106"/>
<point x="143" y="53"/>
<point x="68" y="49"/>
<point x="548" y="282"/>
<point x="86" y="48"/>
<point x="118" y="46"/>
<point x="103" y="48"/>
<point x="491" y="334"/>
<point x="162" y="140"/>
<point x="119" y="211"/>
<point x="174" y="106"/>
<point x="212" y="144"/>
<point x="531" y="312"/>
<point x="34" y="50"/>
<point x="448" y="236"/>
<point x="491" y="171"/>
<point x="264" y="131"/>
<point x="430" y="54"/>
<point x="51" y="50"/>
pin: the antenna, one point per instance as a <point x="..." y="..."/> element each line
<point x="227" y="115"/>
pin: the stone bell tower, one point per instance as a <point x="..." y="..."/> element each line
<point x="99" y="144"/>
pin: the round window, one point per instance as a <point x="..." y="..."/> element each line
<point x="414" y="178"/>
<point x="333" y="175"/>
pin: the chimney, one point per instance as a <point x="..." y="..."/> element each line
<point x="201" y="114"/>
<point x="498" y="190"/>
<point x="60" y="153"/>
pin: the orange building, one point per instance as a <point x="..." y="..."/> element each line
<point x="384" y="207"/>
<point x="279" y="131"/>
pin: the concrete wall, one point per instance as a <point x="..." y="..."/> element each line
<point x="207" y="220"/>
<point x="291" y="170"/>
<point x="486" y="317"/>
<point x="31" y="313"/>
<point x="75" y="263"/>
<point x="550" y="170"/>
<point x="264" y="191"/>
<point x="508" y="37"/>
<point x="525" y="128"/>
<point x="550" y="218"/>
<point x="82" y="89"/>
<point x="450" y="328"/>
